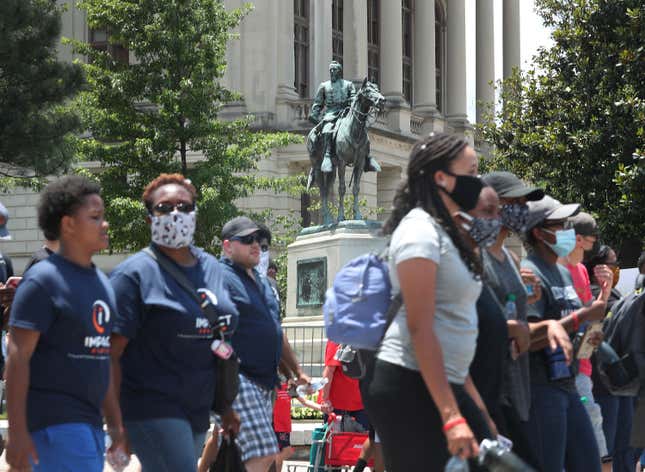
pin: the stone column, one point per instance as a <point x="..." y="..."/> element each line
<point x="485" y="55"/>
<point x="233" y="74"/>
<point x="320" y="42"/>
<point x="456" y="109"/>
<point x="392" y="52"/>
<point x="425" y="87"/>
<point x="511" y="32"/>
<point x="355" y="40"/>
<point x="285" y="63"/>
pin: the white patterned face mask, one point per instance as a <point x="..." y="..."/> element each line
<point x="263" y="265"/>
<point x="173" y="230"/>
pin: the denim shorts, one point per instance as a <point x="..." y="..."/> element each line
<point x="69" y="446"/>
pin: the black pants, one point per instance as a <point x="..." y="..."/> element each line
<point x="510" y="425"/>
<point x="408" y="422"/>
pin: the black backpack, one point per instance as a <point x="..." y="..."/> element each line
<point x="624" y="330"/>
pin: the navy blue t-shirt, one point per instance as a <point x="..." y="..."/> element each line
<point x="258" y="338"/>
<point x="73" y="308"/>
<point x="168" y="368"/>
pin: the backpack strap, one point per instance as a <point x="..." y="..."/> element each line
<point x="184" y="282"/>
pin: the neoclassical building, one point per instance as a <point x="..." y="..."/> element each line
<point x="415" y="50"/>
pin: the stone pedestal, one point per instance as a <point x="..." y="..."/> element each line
<point x="314" y="259"/>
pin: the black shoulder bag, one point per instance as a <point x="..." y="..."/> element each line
<point x="227" y="379"/>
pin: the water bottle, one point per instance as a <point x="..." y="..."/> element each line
<point x="312" y="387"/>
<point x="497" y="458"/>
<point x="510" y="310"/>
<point x="457" y="464"/>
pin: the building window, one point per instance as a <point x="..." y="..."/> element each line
<point x="373" y="42"/>
<point x="100" y="39"/>
<point x="440" y="47"/>
<point x="301" y="46"/>
<point x="337" y="30"/>
<point x="407" y="49"/>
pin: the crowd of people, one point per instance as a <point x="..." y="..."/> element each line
<point x="484" y="344"/>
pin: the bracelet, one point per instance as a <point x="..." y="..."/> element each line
<point x="576" y="322"/>
<point x="451" y="424"/>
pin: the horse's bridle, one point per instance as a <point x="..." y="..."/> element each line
<point x="362" y="116"/>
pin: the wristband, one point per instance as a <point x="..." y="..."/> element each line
<point x="451" y="424"/>
<point x="576" y="322"/>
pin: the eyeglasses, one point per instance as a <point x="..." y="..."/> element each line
<point x="248" y="239"/>
<point x="165" y="208"/>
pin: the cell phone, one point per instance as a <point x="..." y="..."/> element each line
<point x="585" y="348"/>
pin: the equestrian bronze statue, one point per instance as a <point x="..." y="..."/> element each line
<point x="339" y="138"/>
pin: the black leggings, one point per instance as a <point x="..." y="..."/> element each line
<point x="408" y="422"/>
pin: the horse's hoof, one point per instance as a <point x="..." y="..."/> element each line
<point x="326" y="165"/>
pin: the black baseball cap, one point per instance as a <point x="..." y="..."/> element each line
<point x="549" y="210"/>
<point x="584" y="224"/>
<point x="508" y="185"/>
<point x="238" y="227"/>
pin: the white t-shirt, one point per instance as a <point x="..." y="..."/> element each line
<point x="456" y="293"/>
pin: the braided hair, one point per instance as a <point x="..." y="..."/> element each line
<point x="419" y="189"/>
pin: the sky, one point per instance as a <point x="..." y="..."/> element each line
<point x="533" y="34"/>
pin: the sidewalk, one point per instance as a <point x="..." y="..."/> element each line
<point x="301" y="436"/>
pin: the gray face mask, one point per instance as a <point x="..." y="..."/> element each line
<point x="483" y="231"/>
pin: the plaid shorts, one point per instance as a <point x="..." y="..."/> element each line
<point x="256" y="437"/>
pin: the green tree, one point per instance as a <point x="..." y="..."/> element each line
<point x="147" y="116"/>
<point x="575" y="123"/>
<point x="35" y="125"/>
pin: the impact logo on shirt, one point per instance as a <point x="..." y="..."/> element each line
<point x="100" y="343"/>
<point x="208" y="298"/>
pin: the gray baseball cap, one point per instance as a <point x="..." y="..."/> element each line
<point x="549" y="210"/>
<point x="584" y="224"/>
<point x="239" y="226"/>
<point x="508" y="185"/>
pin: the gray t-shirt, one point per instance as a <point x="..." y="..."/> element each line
<point x="456" y="293"/>
<point x="504" y="278"/>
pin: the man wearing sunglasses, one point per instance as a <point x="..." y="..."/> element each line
<point x="258" y="341"/>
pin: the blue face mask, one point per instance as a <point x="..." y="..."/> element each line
<point x="565" y="241"/>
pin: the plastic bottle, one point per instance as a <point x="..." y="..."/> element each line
<point x="311" y="388"/>
<point x="457" y="464"/>
<point x="497" y="458"/>
<point x="511" y="308"/>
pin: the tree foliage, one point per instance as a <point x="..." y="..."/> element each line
<point x="159" y="113"/>
<point x="35" y="125"/>
<point x="575" y="123"/>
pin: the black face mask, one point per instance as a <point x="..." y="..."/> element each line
<point x="466" y="191"/>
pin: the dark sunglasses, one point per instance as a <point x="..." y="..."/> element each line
<point x="165" y="208"/>
<point x="248" y="239"/>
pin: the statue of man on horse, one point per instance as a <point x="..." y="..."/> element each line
<point x="340" y="136"/>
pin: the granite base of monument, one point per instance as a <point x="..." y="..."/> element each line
<point x="316" y="256"/>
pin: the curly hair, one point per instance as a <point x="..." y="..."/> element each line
<point x="62" y="198"/>
<point x="428" y="156"/>
<point x="167" y="179"/>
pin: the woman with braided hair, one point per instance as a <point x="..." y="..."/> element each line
<point x="422" y="366"/>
